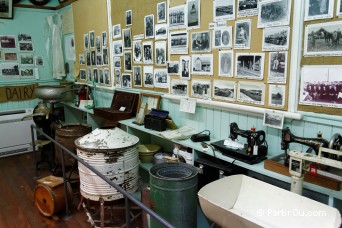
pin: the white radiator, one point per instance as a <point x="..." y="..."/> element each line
<point x="15" y="134"/>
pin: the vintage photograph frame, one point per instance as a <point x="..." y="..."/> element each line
<point x="315" y="10"/>
<point x="273" y="119"/>
<point x="137" y="76"/>
<point x="175" y="21"/>
<point x="194" y="13"/>
<point x="179" y="87"/>
<point x="226" y="63"/>
<point x="249" y="65"/>
<point x="243" y="34"/>
<point x="178" y="42"/>
<point x="251" y="92"/>
<point x="202" y="64"/>
<point x="224" y="90"/>
<point x="147" y="102"/>
<point x="223" y="10"/>
<point x="264" y="14"/>
<point x="247" y="9"/>
<point x="277" y="67"/>
<point x="276" y="95"/>
<point x="201" y="89"/>
<point x="201" y="41"/>
<point x="276" y="39"/>
<point x="8" y="13"/>
<point x="222" y="37"/>
<point x="161" y="12"/>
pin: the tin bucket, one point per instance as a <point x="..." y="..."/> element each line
<point x="174" y="194"/>
<point x="66" y="135"/>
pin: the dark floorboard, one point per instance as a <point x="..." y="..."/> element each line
<point x="17" y="207"/>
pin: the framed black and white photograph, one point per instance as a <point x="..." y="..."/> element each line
<point x="200" y="41"/>
<point x="276" y="38"/>
<point x="82" y="59"/>
<point x="117" y="31"/>
<point x="277" y="67"/>
<point x="106" y="75"/>
<point x="273" y="119"/>
<point x="185" y="67"/>
<point x="323" y="39"/>
<point x="101" y="78"/>
<point x="105" y="56"/>
<point x="90" y="78"/>
<point x="201" y="89"/>
<point x="276" y="95"/>
<point x="224" y="10"/>
<point x="161" y="31"/>
<point x="194" y="13"/>
<point x="104" y="39"/>
<point x="7" y="42"/>
<point x="160" y="53"/>
<point x="224" y="90"/>
<point x="318" y="9"/>
<point x="26" y="47"/>
<point x="83" y="74"/>
<point x="26" y="72"/>
<point x="202" y="64"/>
<point x="117" y="77"/>
<point x="99" y="60"/>
<point x="39" y="61"/>
<point x="128" y="17"/>
<point x="86" y="42"/>
<point x="96" y="75"/>
<point x="128" y="61"/>
<point x="173" y="67"/>
<point x="148" y="76"/>
<point x="137" y="76"/>
<point x="10" y="56"/>
<point x="88" y="58"/>
<point x="127" y="38"/>
<point x="178" y="43"/>
<point x="251" y="92"/>
<point x="117" y="46"/>
<point x="161" y="12"/>
<point x="161" y="80"/>
<point x="149" y="26"/>
<point x="226" y="60"/>
<point x="98" y="46"/>
<point x="24" y="37"/>
<point x="222" y="37"/>
<point x="148" y="52"/>
<point x="179" y="87"/>
<point x="339" y="8"/>
<point x="243" y="33"/>
<point x="247" y="8"/>
<point x="126" y="80"/>
<point x="26" y="60"/>
<point x="137" y="51"/>
<point x="321" y="86"/>
<point x="6" y="9"/>
<point x="274" y="13"/>
<point x="92" y="39"/>
<point x="117" y="62"/>
<point x="93" y="58"/>
<point x="1" y="55"/>
<point x="10" y="69"/>
<point x="177" y="17"/>
<point x="250" y="65"/>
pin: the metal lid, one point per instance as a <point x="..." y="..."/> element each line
<point x="107" y="138"/>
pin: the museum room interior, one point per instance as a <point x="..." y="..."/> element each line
<point x="170" y="113"/>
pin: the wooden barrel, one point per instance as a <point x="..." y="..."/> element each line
<point x="66" y="135"/>
<point x="49" y="196"/>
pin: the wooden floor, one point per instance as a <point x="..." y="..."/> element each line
<point x="17" y="208"/>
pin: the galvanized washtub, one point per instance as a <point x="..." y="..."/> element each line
<point x="114" y="153"/>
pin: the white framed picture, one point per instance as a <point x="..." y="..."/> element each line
<point x="276" y="95"/>
<point x="149" y="26"/>
<point x="137" y="76"/>
<point x="194" y="13"/>
<point x="179" y="87"/>
<point x="222" y="37"/>
<point x="247" y="8"/>
<point x="226" y="63"/>
<point x="224" y="10"/>
<point x="177" y="17"/>
<point x="127" y="38"/>
<point x="126" y="80"/>
<point x="250" y="65"/>
<point x="160" y="53"/>
<point x="202" y="64"/>
<point x="243" y="33"/>
<point x="318" y="9"/>
<point x="106" y="75"/>
<point x="273" y="119"/>
<point x="172" y="67"/>
<point x="148" y="52"/>
<point x="161" y="12"/>
<point x="83" y="74"/>
<point x="86" y="41"/>
<point x="117" y="48"/>
<point x="200" y="41"/>
<point x="178" y="43"/>
<point x="129" y="17"/>
<point x="26" y="72"/>
<point x="161" y="31"/>
<point x="128" y="61"/>
<point x="274" y="13"/>
<point x="224" y="90"/>
<point x="148" y="77"/>
<point x="161" y="79"/>
<point x="137" y="51"/>
<point x="251" y="92"/>
<point x="117" y="77"/>
<point x="277" y="67"/>
<point x="276" y="38"/>
<point x="117" y="31"/>
<point x="201" y="89"/>
<point x="185" y="67"/>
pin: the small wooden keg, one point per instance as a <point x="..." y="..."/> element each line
<point x="49" y="195"/>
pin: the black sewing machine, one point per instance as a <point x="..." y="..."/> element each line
<point x="314" y="143"/>
<point x="253" y="152"/>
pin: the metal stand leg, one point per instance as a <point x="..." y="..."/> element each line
<point x="102" y="212"/>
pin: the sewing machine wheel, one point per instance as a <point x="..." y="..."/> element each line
<point x="335" y="143"/>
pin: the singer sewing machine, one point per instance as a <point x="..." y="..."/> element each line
<point x="253" y="152"/>
<point x="315" y="143"/>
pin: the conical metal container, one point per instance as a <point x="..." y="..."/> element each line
<point x="114" y="153"/>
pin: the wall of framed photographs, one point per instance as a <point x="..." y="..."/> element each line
<point x="91" y="42"/>
<point x="227" y="51"/>
<point x="321" y="81"/>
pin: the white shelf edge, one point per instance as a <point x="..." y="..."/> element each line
<point x="236" y="107"/>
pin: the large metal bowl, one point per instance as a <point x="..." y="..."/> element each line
<point x="50" y="92"/>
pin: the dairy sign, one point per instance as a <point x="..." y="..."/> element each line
<point x="17" y="93"/>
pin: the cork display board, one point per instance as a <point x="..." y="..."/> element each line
<point x="324" y="48"/>
<point x="91" y="17"/>
<point x="207" y="79"/>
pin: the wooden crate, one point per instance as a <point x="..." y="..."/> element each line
<point x="276" y="164"/>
